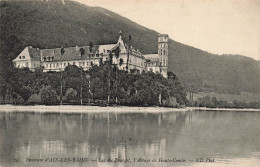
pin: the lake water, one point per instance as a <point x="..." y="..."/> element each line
<point x="199" y="139"/>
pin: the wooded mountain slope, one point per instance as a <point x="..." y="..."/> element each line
<point x="50" y="24"/>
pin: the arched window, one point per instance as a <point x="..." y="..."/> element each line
<point x="164" y="52"/>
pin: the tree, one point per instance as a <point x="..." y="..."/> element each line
<point x="117" y="53"/>
<point x="82" y="51"/>
<point x="73" y="78"/>
<point x="128" y="51"/>
<point x="3" y="88"/>
<point x="48" y="95"/>
<point x="14" y="96"/>
<point x="205" y="102"/>
<point x="90" y="46"/>
<point x="214" y="102"/>
<point x="70" y="94"/>
<point x="62" y="51"/>
<point x="26" y="92"/>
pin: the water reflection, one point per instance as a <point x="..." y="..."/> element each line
<point x="227" y="137"/>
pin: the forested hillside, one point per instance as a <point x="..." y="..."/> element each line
<point x="51" y="24"/>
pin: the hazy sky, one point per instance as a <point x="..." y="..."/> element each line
<point x="216" y="26"/>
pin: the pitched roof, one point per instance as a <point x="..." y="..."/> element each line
<point x="103" y="48"/>
<point x="152" y="56"/>
<point x="34" y="53"/>
<point x="74" y="53"/>
<point x="163" y="35"/>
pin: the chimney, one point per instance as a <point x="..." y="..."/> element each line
<point x="77" y="48"/>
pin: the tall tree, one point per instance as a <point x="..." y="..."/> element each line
<point x="26" y="92"/>
<point x="90" y="46"/>
<point x="128" y="52"/>
<point x="48" y="95"/>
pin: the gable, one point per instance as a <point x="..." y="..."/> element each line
<point x="24" y="55"/>
<point x="29" y="53"/>
<point x="121" y="45"/>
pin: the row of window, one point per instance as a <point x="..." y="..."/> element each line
<point x="26" y="64"/>
<point x="164" y="62"/>
<point x="163" y="45"/>
<point x="162" y="38"/>
<point x="163" y="52"/>
<point x="156" y="63"/>
<point x="153" y="64"/>
<point x="35" y="65"/>
<point x="48" y="58"/>
<point x="21" y="57"/>
<point x="57" y="65"/>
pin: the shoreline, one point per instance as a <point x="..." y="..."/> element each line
<point x="87" y="109"/>
<point x="118" y="109"/>
<point x="224" y="109"/>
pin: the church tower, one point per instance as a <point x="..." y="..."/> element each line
<point x="163" y="40"/>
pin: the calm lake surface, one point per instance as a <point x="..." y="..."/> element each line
<point x="213" y="138"/>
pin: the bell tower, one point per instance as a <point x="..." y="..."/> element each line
<point x="163" y="40"/>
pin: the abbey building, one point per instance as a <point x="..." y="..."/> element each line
<point x="129" y="59"/>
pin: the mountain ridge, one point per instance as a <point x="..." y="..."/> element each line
<point x="51" y="24"/>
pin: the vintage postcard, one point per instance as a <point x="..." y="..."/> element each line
<point x="134" y="83"/>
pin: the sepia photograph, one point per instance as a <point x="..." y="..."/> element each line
<point x="129" y="83"/>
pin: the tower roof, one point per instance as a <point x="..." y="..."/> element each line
<point x="163" y="35"/>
